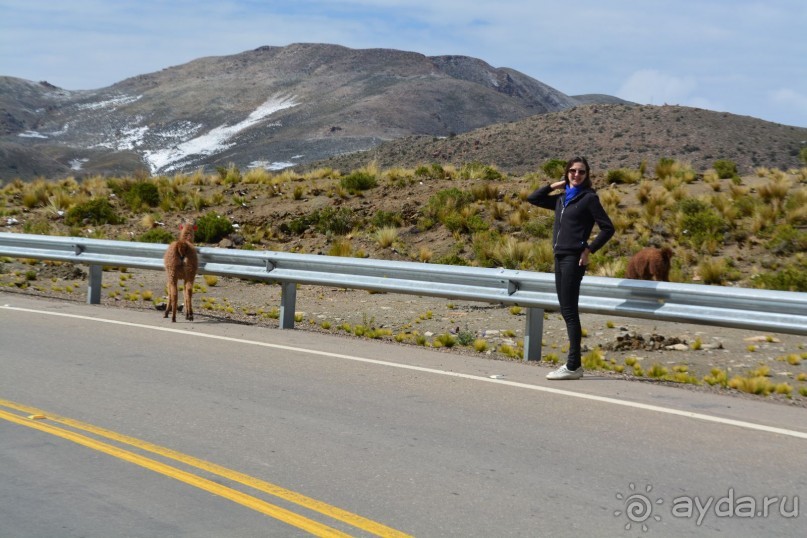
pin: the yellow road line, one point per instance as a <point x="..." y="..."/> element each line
<point x="281" y="514"/>
<point x="333" y="512"/>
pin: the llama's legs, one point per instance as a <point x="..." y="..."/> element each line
<point x="172" y="300"/>
<point x="189" y="300"/>
<point x="168" y="292"/>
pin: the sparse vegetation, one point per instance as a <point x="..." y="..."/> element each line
<point x="487" y="225"/>
<point x="212" y="228"/>
<point x="359" y="180"/>
<point x="96" y="211"/>
<point x="748" y="234"/>
<point x="725" y="169"/>
<point x="157" y="235"/>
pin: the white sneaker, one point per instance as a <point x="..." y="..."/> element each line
<point x="565" y="373"/>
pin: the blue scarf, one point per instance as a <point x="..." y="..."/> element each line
<point x="571" y="192"/>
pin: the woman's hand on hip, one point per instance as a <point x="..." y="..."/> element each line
<point x="584" y="257"/>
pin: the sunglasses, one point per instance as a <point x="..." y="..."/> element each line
<point x="577" y="170"/>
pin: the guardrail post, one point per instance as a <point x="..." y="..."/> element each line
<point x="533" y="334"/>
<point x="288" y="300"/>
<point x="94" y="284"/>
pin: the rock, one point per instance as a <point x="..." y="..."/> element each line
<point x="761" y="339"/>
<point x="632" y="341"/>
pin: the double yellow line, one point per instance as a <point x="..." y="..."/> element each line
<point x="41" y="420"/>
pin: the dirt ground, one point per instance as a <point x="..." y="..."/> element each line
<point x="683" y="349"/>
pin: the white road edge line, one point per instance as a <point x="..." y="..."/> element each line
<point x="604" y="399"/>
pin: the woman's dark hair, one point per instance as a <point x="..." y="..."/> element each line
<point x="586" y="182"/>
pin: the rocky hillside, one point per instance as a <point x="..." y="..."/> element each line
<point x="272" y="107"/>
<point x="611" y="136"/>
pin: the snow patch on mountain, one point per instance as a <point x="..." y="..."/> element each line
<point x="77" y="164"/>
<point x="270" y="165"/>
<point x="215" y="140"/>
<point x="115" y="102"/>
<point x="180" y="132"/>
<point x="128" y="138"/>
<point x="31" y="134"/>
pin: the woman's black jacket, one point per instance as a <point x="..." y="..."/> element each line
<point x="574" y="223"/>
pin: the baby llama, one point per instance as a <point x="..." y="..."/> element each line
<point x="650" y="264"/>
<point x="181" y="261"/>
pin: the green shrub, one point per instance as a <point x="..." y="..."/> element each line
<point x="458" y="222"/>
<point x="445" y="202"/>
<point x="476" y="170"/>
<point x="665" y="167"/>
<point x="788" y="240"/>
<point x="157" y="235"/>
<point x="423" y="171"/>
<point x="143" y="193"/>
<point x="358" y="181"/>
<point x="452" y="258"/>
<point x="791" y="278"/>
<point x="444" y="340"/>
<point x="485" y="191"/>
<point x="36" y="226"/>
<point x="119" y="186"/>
<point x="713" y="271"/>
<point x="700" y="222"/>
<point x="554" y="168"/>
<point x="491" y="174"/>
<point x="334" y="221"/>
<point x="298" y="225"/>
<point x="746" y="205"/>
<point x="229" y="175"/>
<point x="97" y="211"/>
<point x="328" y="220"/>
<point x="803" y="156"/>
<point x="212" y="228"/>
<point x="434" y="171"/>
<point x="725" y="169"/>
<point x="135" y="193"/>
<point x="465" y="338"/>
<point x="383" y="219"/>
<point x="540" y="226"/>
<point x="623" y="175"/>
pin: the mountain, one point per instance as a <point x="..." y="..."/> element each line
<point x="272" y="107"/>
<point x="307" y="105"/>
<point x="611" y="136"/>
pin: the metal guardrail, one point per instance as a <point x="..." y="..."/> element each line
<point x="776" y="311"/>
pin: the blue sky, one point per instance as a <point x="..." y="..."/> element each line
<point x="738" y="56"/>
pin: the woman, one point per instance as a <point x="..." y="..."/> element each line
<point x="576" y="211"/>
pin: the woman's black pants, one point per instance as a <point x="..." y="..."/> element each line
<point x="568" y="275"/>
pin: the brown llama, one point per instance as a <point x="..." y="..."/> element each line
<point x="181" y="261"/>
<point x="650" y="264"/>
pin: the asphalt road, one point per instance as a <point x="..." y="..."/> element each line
<point x="118" y="423"/>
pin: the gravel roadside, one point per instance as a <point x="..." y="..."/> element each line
<point x="685" y="351"/>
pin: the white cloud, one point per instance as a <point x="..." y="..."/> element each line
<point x="651" y="87"/>
<point x="787" y="98"/>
